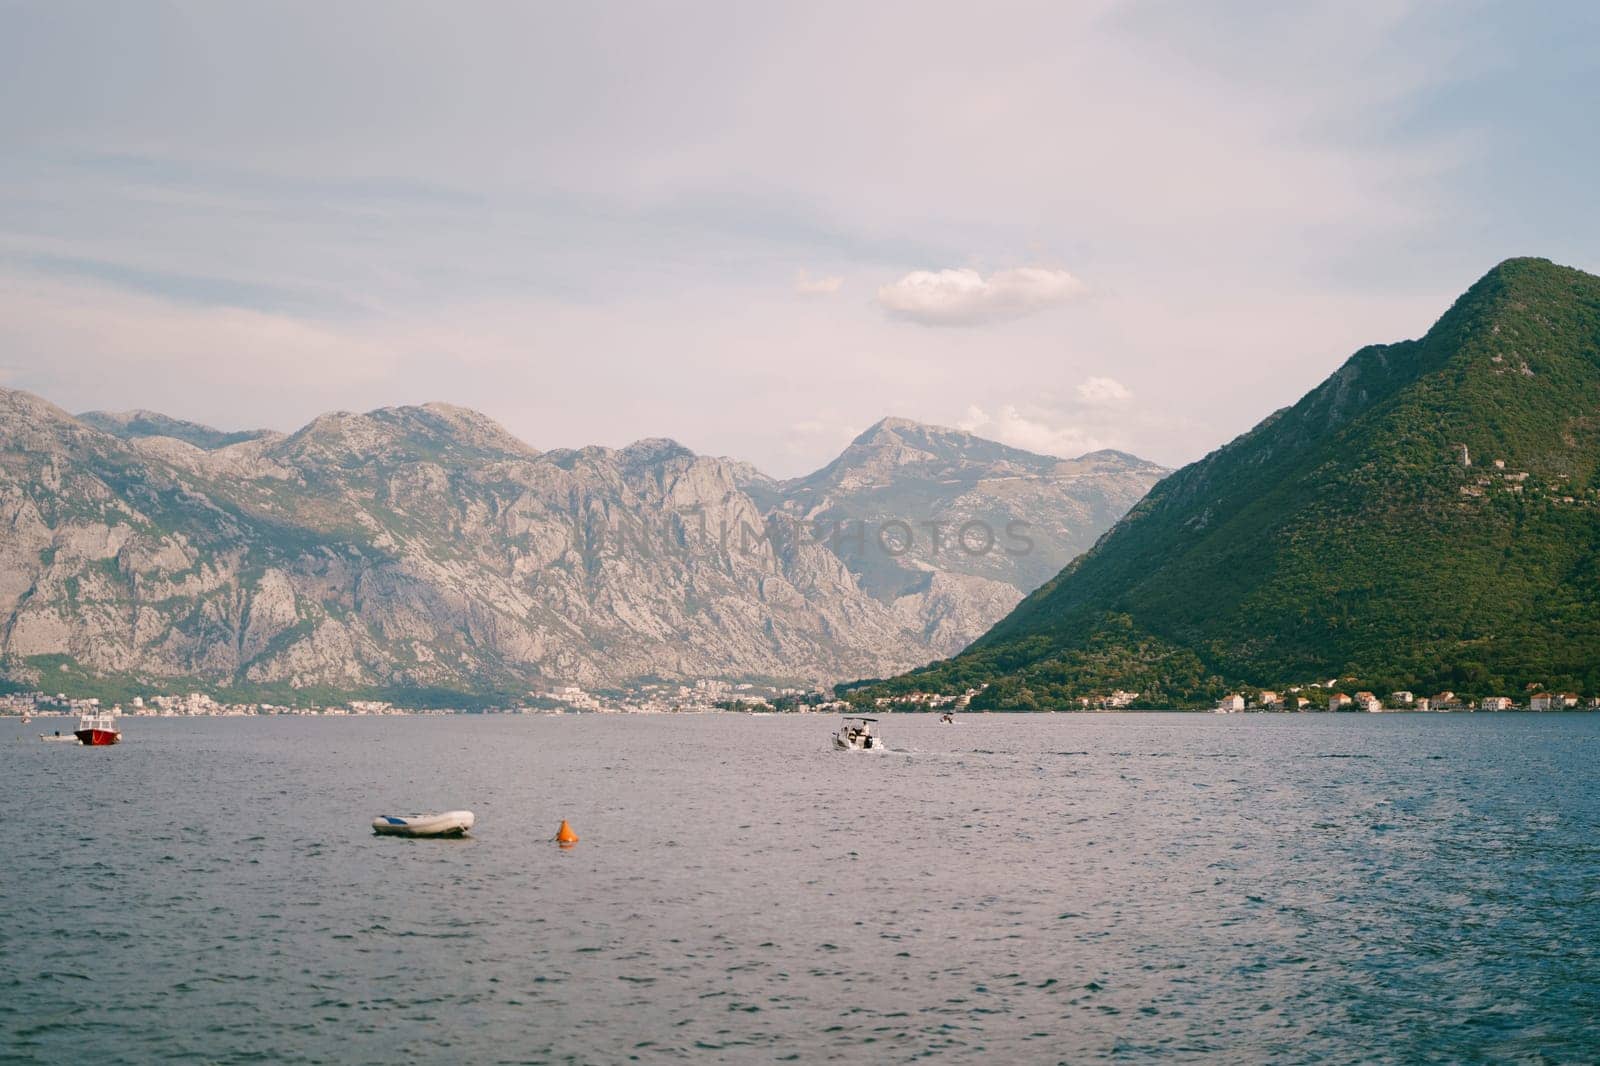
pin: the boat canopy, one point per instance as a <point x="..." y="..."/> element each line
<point x="858" y="718"/>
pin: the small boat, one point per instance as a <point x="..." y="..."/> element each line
<point x="447" y="824"/>
<point x="98" y="729"/>
<point x="947" y="718"/>
<point x="61" y="738"/>
<point x="857" y="736"/>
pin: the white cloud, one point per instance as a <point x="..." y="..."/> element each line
<point x="965" y="297"/>
<point x="975" y="418"/>
<point x="1033" y="431"/>
<point x="369" y="232"/>
<point x="806" y="285"/>
<point x="1104" y="392"/>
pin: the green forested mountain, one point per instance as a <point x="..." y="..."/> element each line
<point x="1426" y="518"/>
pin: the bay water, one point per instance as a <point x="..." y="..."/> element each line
<point x="1044" y="888"/>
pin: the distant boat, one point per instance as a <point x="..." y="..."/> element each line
<point x="446" y="824"/>
<point x="59" y="737"/>
<point x="857" y="737"/>
<point x="98" y="729"/>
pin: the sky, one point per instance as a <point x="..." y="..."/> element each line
<point x="759" y="228"/>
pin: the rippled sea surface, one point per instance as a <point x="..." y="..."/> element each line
<point x="1150" y="887"/>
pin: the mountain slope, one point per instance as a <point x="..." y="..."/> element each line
<point x="131" y="425"/>
<point x="960" y="526"/>
<point x="1345" y="536"/>
<point x="423" y="548"/>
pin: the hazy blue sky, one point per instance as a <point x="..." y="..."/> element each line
<point x="757" y="228"/>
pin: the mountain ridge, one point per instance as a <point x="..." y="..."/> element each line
<point x="426" y="548"/>
<point x="142" y="423"/>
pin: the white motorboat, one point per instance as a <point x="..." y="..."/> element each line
<point x="857" y="736"/>
<point x="61" y="738"/>
<point x="98" y="730"/>
<point x="445" y="824"/>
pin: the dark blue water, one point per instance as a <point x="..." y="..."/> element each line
<point x="1350" y="888"/>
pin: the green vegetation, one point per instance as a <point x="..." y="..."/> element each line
<point x="1344" y="537"/>
<point x="61" y="673"/>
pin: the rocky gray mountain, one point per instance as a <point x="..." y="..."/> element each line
<point x="950" y="528"/>
<point x="425" y="548"/>
<point x="130" y="425"/>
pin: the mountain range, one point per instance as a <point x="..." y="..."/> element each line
<point x="426" y="554"/>
<point x="1428" y="517"/>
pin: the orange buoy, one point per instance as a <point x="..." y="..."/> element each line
<point x="565" y="836"/>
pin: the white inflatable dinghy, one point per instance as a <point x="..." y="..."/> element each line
<point x="448" y="824"/>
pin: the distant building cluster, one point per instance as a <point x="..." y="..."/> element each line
<point x="705" y="694"/>
<point x="1370" y="703"/>
<point x="20" y="703"/>
<point x="188" y="705"/>
<point x="1556" y="490"/>
<point x="926" y="701"/>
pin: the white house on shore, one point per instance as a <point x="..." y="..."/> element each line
<point x="1231" y="704"/>
<point x="1495" y="703"/>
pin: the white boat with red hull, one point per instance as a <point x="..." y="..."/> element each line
<point x="98" y="729"/>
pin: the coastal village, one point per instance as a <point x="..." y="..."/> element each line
<point x="709" y="694"/>
<point x="1315" y="697"/>
<point x="704" y="695"/>
<point x="1296" y="699"/>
